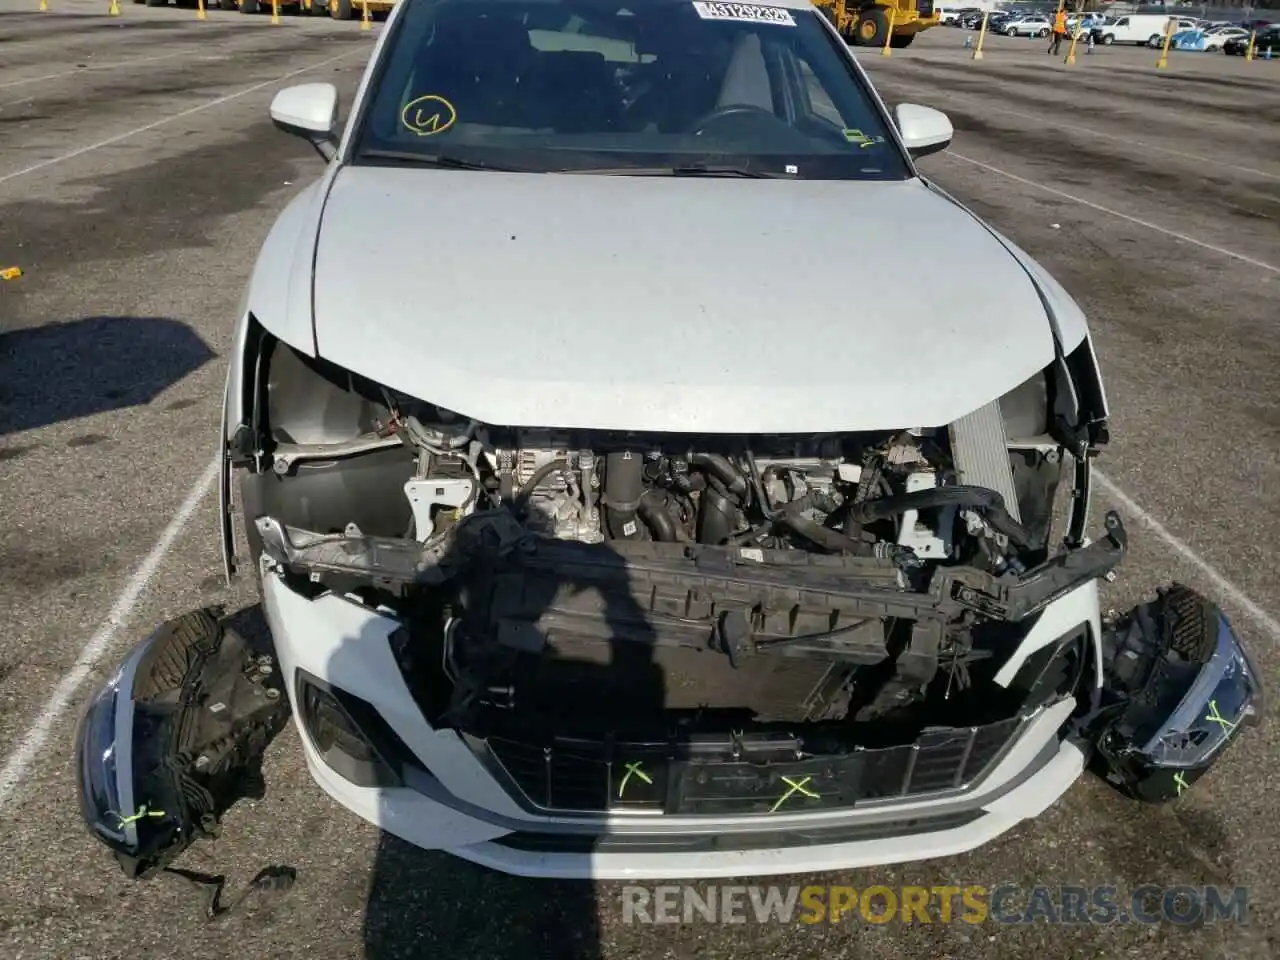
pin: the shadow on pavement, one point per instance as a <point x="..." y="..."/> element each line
<point x="64" y="371"/>
<point x="425" y="904"/>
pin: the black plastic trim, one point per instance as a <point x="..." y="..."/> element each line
<point x="723" y="842"/>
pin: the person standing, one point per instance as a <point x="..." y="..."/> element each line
<point x="1059" y="30"/>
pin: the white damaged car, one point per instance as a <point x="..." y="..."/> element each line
<point x="617" y="514"/>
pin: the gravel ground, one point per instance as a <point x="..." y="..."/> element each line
<point x="138" y="176"/>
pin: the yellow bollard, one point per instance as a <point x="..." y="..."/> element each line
<point x="200" y="10"/>
<point x="888" y="35"/>
<point x="1071" y="50"/>
<point x="1248" y="51"/>
<point x="114" y="9"/>
<point x="275" y="11"/>
<point x="982" y="35"/>
<point x="365" y="22"/>
<point x="1164" y="52"/>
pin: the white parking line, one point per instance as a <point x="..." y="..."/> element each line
<point x="1090" y="131"/>
<point x="1224" y="586"/>
<point x="29" y="746"/>
<point x="177" y="116"/>
<point x="87" y="67"/>
<point x="1261" y="265"/>
<point x="1207" y="161"/>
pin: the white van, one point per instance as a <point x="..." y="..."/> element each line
<point x="1145" y="28"/>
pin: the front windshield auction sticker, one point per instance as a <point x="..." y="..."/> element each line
<point x="748" y="12"/>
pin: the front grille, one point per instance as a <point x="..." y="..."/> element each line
<point x="732" y="775"/>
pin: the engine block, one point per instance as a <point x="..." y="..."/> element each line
<point x="564" y="504"/>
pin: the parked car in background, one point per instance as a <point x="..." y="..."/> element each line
<point x="1083" y="23"/>
<point x="1033" y="26"/>
<point x="949" y="16"/>
<point x="1267" y="41"/>
<point x="1216" y="37"/>
<point x="997" y="19"/>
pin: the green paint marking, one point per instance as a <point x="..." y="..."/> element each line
<point x="142" y="813"/>
<point x="1181" y="782"/>
<point x="1215" y="717"/>
<point x="797" y="786"/>
<point x="633" y="768"/>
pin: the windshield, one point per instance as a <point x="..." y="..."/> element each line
<point x="648" y="86"/>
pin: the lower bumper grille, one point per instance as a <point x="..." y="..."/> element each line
<point x="723" y="842"/>
<point x="733" y="775"/>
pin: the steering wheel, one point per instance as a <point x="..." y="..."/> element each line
<point x="733" y="110"/>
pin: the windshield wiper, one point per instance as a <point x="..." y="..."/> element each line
<point x="442" y="160"/>
<point x="690" y="170"/>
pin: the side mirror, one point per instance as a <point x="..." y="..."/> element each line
<point x="310" y="111"/>
<point x="924" y="130"/>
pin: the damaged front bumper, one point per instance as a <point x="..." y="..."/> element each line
<point x="1178" y="688"/>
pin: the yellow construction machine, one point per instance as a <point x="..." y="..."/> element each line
<point x="865" y="23"/>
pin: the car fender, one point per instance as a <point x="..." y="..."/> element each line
<point x="276" y="300"/>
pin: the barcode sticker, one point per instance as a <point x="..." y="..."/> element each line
<point x="744" y="12"/>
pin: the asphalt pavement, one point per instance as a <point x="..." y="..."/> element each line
<point x="138" y="176"/>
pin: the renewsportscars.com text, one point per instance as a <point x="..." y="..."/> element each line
<point x="971" y="904"/>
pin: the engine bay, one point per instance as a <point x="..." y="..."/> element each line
<point x="558" y="582"/>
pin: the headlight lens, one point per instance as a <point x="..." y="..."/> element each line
<point x="97" y="763"/>
<point x="112" y="731"/>
<point x="1225" y="695"/>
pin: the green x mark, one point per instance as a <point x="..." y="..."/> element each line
<point x="632" y="768"/>
<point x="1215" y="717"/>
<point x="797" y="786"/>
<point x="1181" y="782"/>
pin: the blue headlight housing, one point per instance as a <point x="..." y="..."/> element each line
<point x="126" y="797"/>
<point x="1225" y="695"/>
<point x="1179" y="686"/>
<point x="173" y="738"/>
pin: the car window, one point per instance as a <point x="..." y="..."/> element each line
<point x="563" y="85"/>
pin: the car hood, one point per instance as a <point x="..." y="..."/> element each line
<point x="718" y="305"/>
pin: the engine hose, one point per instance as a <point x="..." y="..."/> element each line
<point x="539" y="475"/>
<point x="653" y="511"/>
<point x="824" y="537"/>
<point x="623" y="487"/>
<point x="758" y="486"/>
<point x="719" y="467"/>
<point x="989" y="502"/>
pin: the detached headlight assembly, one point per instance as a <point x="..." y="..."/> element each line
<point x="175" y="737"/>
<point x="1180" y="687"/>
<point x="123" y="801"/>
